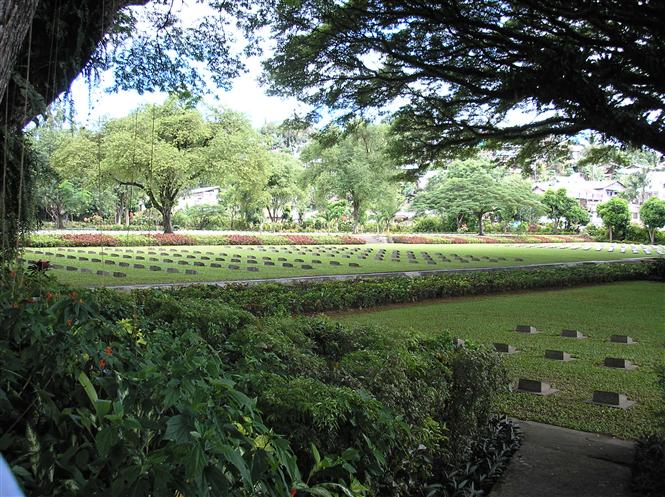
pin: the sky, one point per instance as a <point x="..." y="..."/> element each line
<point x="246" y="95"/>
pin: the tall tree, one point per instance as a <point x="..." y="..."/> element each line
<point x="615" y="215"/>
<point x="652" y="213"/>
<point x="459" y="69"/>
<point x="159" y="150"/>
<point x="351" y="164"/>
<point x="474" y="187"/>
<point x="282" y="186"/>
<point x="560" y="206"/>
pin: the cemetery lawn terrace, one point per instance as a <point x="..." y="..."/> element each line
<point x="627" y="308"/>
<point x="229" y="263"/>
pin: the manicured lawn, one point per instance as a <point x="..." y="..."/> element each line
<point x="235" y="262"/>
<point x="636" y="309"/>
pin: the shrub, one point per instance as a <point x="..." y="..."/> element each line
<point x="93" y="407"/>
<point x="413" y="239"/>
<point x="351" y="240"/>
<point x="429" y="224"/>
<point x="300" y="239"/>
<point x="90" y="240"/>
<point x="312" y="297"/>
<point x="243" y="240"/>
<point x="171" y="239"/>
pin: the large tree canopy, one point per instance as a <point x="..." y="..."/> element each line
<point x="461" y="70"/>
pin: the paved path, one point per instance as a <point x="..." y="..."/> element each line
<point x="558" y="462"/>
<point x="393" y="274"/>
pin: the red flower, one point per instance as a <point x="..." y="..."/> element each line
<point x="108" y="350"/>
<point x="102" y="363"/>
<point x="293" y="492"/>
<point x="69" y="323"/>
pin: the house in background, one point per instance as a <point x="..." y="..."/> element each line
<point x="589" y="193"/>
<point x="206" y="195"/>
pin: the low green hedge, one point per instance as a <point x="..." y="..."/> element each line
<point x="313" y="297"/>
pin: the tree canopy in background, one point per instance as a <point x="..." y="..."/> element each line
<point x="459" y="70"/>
<point x="475" y="188"/>
<point x="351" y="164"/>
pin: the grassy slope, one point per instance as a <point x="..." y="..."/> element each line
<point x="531" y="254"/>
<point x="633" y="308"/>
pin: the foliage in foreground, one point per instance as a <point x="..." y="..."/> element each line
<point x="159" y="394"/>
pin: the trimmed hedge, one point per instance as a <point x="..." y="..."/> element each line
<point x="313" y="297"/>
<point x="134" y="240"/>
<point x="458" y="239"/>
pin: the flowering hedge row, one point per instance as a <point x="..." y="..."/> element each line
<point x="453" y="239"/>
<point x="133" y="240"/>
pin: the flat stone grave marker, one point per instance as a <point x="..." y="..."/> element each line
<point x="56" y="266"/>
<point x="611" y="399"/>
<point x="109" y="262"/>
<point x="316" y="261"/>
<point x="234" y="266"/>
<point x="458" y="342"/>
<point x="71" y="257"/>
<point x="71" y="268"/>
<point x="354" y="264"/>
<point x="306" y="266"/>
<point x="83" y="258"/>
<point x="622" y="339"/>
<point x="191" y="271"/>
<point x="287" y="264"/>
<point x="618" y="363"/>
<point x="139" y="266"/>
<point x="155" y="268"/>
<point x="168" y="261"/>
<point x="172" y="270"/>
<point x="281" y="259"/>
<point x="183" y="263"/>
<point x="204" y="258"/>
<point x="572" y="334"/>
<point x="535" y="387"/>
<point x="103" y="273"/>
<point x="191" y="256"/>
<point x="252" y="261"/>
<point x="85" y="270"/>
<point x="153" y="259"/>
<point x="215" y="264"/>
<point x="268" y="263"/>
<point x="235" y="260"/>
<point x="123" y="264"/>
<point x="526" y="328"/>
<point x="140" y="258"/>
<point x="504" y="348"/>
<point x="197" y="263"/>
<point x="253" y="269"/>
<point x="334" y="263"/>
<point x="558" y="355"/>
<point x="118" y="274"/>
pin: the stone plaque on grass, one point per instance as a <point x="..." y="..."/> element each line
<point x="558" y="355"/>
<point x="123" y="264"/>
<point x="306" y="266"/>
<point x="287" y="264"/>
<point x="190" y="271"/>
<point x="618" y="363"/>
<point x="118" y="274"/>
<point x="622" y="339"/>
<point x="611" y="399"/>
<point x="139" y="266"/>
<point x="334" y="263"/>
<point x="526" y="328"/>
<point x="504" y="348"/>
<point x="110" y="263"/>
<point x="71" y="268"/>
<point x="572" y="334"/>
<point x="268" y="263"/>
<point x="172" y="270"/>
<point x="103" y="273"/>
<point x="253" y="269"/>
<point x="535" y="387"/>
<point x="199" y="264"/>
<point x="155" y="268"/>
<point x="183" y="263"/>
<point x="354" y="264"/>
<point x="215" y="264"/>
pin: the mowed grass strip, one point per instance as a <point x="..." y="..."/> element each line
<point x="345" y="259"/>
<point x="636" y="309"/>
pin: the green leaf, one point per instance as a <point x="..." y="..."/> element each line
<point x="233" y="456"/>
<point x="177" y="429"/>
<point x="88" y="387"/>
<point x="105" y="439"/>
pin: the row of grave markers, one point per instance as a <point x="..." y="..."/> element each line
<point x="600" y="397"/>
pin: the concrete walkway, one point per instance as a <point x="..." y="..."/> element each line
<point x="558" y="462"/>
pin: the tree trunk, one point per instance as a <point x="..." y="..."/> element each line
<point x="652" y="235"/>
<point x="609" y="231"/>
<point x="481" y="232"/>
<point x="59" y="220"/>
<point x="15" y="20"/>
<point x="168" y="223"/>
<point x="127" y="217"/>
<point x="356" y="216"/>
